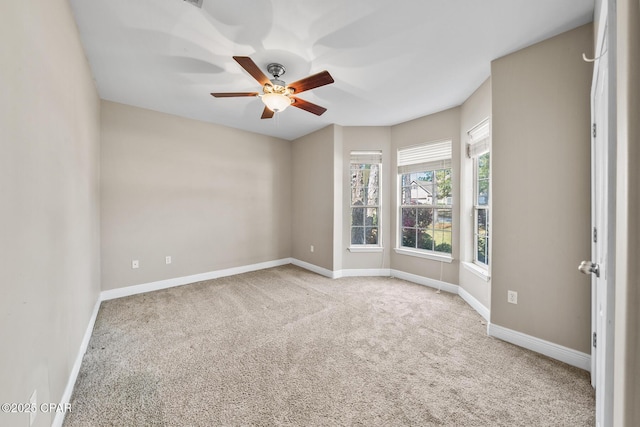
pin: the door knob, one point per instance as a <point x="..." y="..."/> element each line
<point x="588" y="267"/>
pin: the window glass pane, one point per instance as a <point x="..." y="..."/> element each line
<point x="357" y="235"/>
<point x="357" y="196"/>
<point x="357" y="216"/>
<point x="482" y="179"/>
<point x="408" y="217"/>
<point x="483" y="192"/>
<point x="443" y="219"/>
<point x="372" y="217"/>
<point x="487" y="222"/>
<point x="372" y="185"/>
<point x="405" y="196"/>
<point x="416" y="189"/>
<point x="481" y="224"/>
<point x="425" y="217"/>
<point x="421" y="193"/>
<point x="364" y="184"/>
<point x="357" y="184"/>
<point x="425" y="240"/>
<point x="371" y="235"/>
<point x="371" y="196"/>
<point x="422" y="176"/>
<point x="443" y="186"/>
<point x="442" y="241"/>
<point x="405" y="188"/>
<point x="409" y="237"/>
<point x="481" y="248"/>
<point x="483" y="166"/>
<point x="374" y="175"/>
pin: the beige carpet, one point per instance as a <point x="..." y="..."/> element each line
<point x="288" y="347"/>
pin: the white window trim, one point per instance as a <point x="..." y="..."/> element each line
<point x="432" y="255"/>
<point x="365" y="248"/>
<point x="480" y="271"/>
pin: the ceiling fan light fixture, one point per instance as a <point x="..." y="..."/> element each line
<point x="276" y="102"/>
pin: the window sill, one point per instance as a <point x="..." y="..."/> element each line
<point x="365" y="249"/>
<point x="420" y="254"/>
<point x="482" y="273"/>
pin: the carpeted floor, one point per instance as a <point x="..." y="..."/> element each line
<point x="288" y="347"/>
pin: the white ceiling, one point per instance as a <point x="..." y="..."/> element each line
<point x="392" y="61"/>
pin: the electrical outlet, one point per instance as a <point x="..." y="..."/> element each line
<point x="311" y="248"/>
<point x="135" y="263"/>
<point x="512" y="297"/>
<point x="33" y="402"/>
<point x="167" y="259"/>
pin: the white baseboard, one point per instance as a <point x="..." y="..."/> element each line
<point x="425" y="281"/>
<point x="554" y="351"/>
<point x="382" y="272"/>
<point x="311" y="267"/>
<point x="364" y="272"/>
<point x="474" y="303"/>
<point x="75" y="370"/>
<point x="185" y="280"/>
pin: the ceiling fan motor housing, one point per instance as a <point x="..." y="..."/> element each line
<point x="276" y="70"/>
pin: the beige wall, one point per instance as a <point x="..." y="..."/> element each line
<point x="541" y="189"/>
<point x="474" y="110"/>
<point x="49" y="213"/>
<point x="363" y="139"/>
<point x="209" y="196"/>
<point x="313" y="197"/>
<point x="443" y="125"/>
<point x="627" y="320"/>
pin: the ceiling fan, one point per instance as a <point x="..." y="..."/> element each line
<point x="277" y="95"/>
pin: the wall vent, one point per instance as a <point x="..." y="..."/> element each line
<point x="197" y="3"/>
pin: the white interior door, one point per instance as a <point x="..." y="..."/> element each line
<point x="600" y="235"/>
<point x="603" y="184"/>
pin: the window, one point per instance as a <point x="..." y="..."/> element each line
<point x="478" y="151"/>
<point x="365" y="197"/>
<point x="425" y="197"/>
<point x="481" y="166"/>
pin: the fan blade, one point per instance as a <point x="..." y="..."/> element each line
<point x="251" y="68"/>
<point x="311" y="82"/>
<point x="234" y="94"/>
<point x="267" y="113"/>
<point x="308" y="106"/>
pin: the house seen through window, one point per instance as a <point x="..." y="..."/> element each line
<point x="365" y="197"/>
<point x="425" y="197"/>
